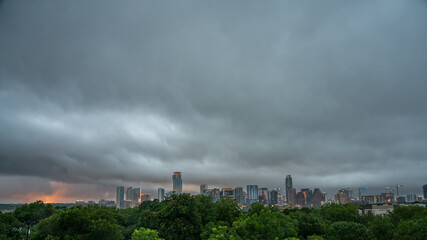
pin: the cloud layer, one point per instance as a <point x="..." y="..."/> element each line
<point x="96" y="94"/>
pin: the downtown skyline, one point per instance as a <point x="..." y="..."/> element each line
<point x="99" y="94"/>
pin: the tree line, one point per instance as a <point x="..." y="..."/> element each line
<point x="183" y="217"/>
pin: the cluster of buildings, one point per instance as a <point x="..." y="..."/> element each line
<point x="305" y="198"/>
<point x="132" y="197"/>
<point x="346" y="196"/>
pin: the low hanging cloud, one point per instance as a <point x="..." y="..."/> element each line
<point x="98" y="94"/>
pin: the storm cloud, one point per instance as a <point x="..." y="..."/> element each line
<point x="95" y="94"/>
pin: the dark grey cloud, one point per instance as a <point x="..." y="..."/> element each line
<point x="96" y="94"/>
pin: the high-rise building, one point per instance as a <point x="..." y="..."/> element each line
<point x="317" y="198"/>
<point x="129" y="194"/>
<point x="307" y="196"/>
<point x="252" y="191"/>
<point x="292" y="194"/>
<point x="274" y="197"/>
<point x="161" y="194"/>
<point x="203" y="188"/>
<point x="288" y="185"/>
<point x="425" y="191"/>
<point x="344" y="195"/>
<point x="301" y="199"/>
<point x="240" y="196"/>
<point x="341" y="197"/>
<point x="120" y="197"/>
<point x="177" y="182"/>
<point x="411" y="197"/>
<point x="264" y="196"/>
<point x="136" y="192"/>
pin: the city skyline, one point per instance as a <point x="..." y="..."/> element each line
<point x="98" y="95"/>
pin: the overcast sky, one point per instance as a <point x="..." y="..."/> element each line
<point x="95" y="94"/>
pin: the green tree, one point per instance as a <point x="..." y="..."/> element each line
<point x="411" y="230"/>
<point x="220" y="233"/>
<point x="315" y="237"/>
<point x="309" y="225"/>
<point x="9" y="226"/>
<point x="80" y="223"/>
<point x="347" y="231"/>
<point x="403" y="213"/>
<point x="264" y="224"/>
<point x="226" y="211"/>
<point x="381" y="228"/>
<point x="30" y="214"/>
<point x="205" y="208"/>
<point x="179" y="218"/>
<point x="145" y="234"/>
<point x="339" y="212"/>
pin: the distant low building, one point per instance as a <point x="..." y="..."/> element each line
<point x="145" y="197"/>
<point x="378" y="209"/>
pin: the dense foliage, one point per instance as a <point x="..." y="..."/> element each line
<point x="197" y="217"/>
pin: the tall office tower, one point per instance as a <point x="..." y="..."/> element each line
<point x="300" y="199"/>
<point x="274" y="197"/>
<point x="129" y="194"/>
<point x="307" y="196"/>
<point x="161" y="194"/>
<point x="177" y="182"/>
<point x="264" y="198"/>
<point x="292" y="196"/>
<point x="349" y="193"/>
<point x="317" y="198"/>
<point x="425" y="191"/>
<point x="203" y="188"/>
<point x="240" y="196"/>
<point x="341" y="197"/>
<point x="136" y="192"/>
<point x="325" y="196"/>
<point x="120" y="197"/>
<point x="411" y="197"/>
<point x="288" y="184"/>
<point x="345" y="195"/>
<point x="252" y="191"/>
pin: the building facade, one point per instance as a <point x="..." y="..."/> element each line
<point x="177" y="182"/>
<point x="252" y="191"/>
<point x="120" y="197"/>
<point x="288" y="185"/>
<point x="161" y="194"/>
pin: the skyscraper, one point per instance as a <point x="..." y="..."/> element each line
<point x="292" y="196"/>
<point x="274" y="197"/>
<point x="120" y="197"/>
<point x="136" y="192"/>
<point x="240" y="196"/>
<point x="177" y="182"/>
<point x="288" y="185"/>
<point x="264" y="197"/>
<point x="425" y="191"/>
<point x="129" y="194"/>
<point x="161" y="194"/>
<point x="317" y="198"/>
<point x="252" y="191"/>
